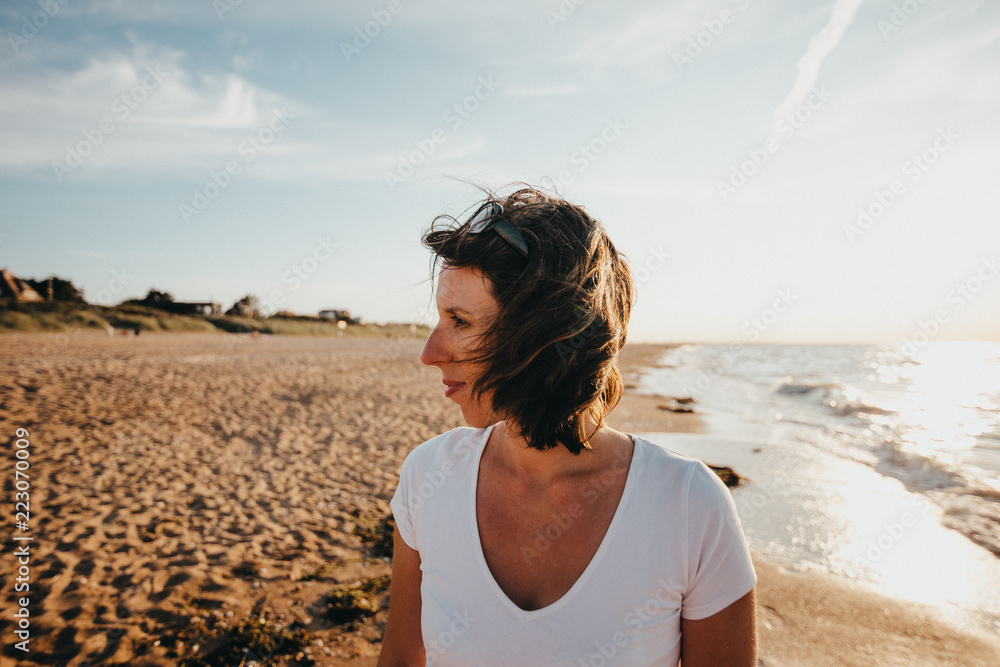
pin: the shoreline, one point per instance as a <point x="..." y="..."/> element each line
<point x="819" y="619"/>
<point x="189" y="483"/>
<point x="643" y="412"/>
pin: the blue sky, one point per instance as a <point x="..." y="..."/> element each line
<point x="780" y="171"/>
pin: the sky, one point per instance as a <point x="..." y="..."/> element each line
<point x="775" y="171"/>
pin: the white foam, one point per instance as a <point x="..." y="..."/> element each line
<point x="846" y="433"/>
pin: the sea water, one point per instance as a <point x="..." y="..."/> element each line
<point x="875" y="463"/>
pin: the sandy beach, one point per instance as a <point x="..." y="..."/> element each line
<point x="195" y="495"/>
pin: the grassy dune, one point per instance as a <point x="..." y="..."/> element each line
<point x="66" y="316"/>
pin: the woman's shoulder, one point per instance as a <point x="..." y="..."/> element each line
<point x="659" y="456"/>
<point x="668" y="470"/>
<point x="446" y="449"/>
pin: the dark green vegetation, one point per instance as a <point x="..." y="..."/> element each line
<point x="376" y="533"/>
<point x="211" y="641"/>
<point x="349" y="602"/>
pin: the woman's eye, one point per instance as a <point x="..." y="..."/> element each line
<point x="458" y="320"/>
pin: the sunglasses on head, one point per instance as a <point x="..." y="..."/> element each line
<point x="489" y="217"/>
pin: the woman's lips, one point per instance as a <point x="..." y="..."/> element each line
<point x="453" y="388"/>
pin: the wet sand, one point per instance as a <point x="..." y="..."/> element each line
<point x="183" y="483"/>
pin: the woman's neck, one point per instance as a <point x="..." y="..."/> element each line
<point x="551" y="466"/>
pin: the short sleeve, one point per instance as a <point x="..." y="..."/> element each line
<point x="400" y="505"/>
<point x="720" y="570"/>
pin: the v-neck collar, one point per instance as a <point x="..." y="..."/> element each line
<point x="524" y="614"/>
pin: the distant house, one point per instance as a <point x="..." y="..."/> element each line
<point x="12" y="287"/>
<point x="195" y="308"/>
<point x="339" y="316"/>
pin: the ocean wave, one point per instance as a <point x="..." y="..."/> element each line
<point x="968" y="506"/>
<point x="896" y="416"/>
<point x="974" y="516"/>
<point x="841" y="399"/>
<point x="847" y="408"/>
<point x="789" y="386"/>
<point x="918" y="473"/>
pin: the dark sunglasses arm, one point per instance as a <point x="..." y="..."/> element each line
<point x="507" y="230"/>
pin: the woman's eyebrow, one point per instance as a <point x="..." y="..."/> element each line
<point x="457" y="310"/>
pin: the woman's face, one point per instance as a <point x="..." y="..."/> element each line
<point x="466" y="308"/>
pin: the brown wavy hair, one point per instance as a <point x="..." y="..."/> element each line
<point x="550" y="355"/>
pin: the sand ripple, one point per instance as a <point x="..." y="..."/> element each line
<point x="160" y="464"/>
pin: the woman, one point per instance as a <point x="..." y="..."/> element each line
<point x="540" y="536"/>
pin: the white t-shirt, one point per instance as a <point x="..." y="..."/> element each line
<point x="674" y="547"/>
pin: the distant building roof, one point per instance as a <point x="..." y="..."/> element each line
<point x="12" y="287"/>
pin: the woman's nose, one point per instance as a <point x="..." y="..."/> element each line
<point x="435" y="350"/>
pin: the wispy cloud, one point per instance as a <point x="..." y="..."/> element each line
<point x="140" y="107"/>
<point x="820" y="46"/>
<point x="956" y="69"/>
<point x="597" y="42"/>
